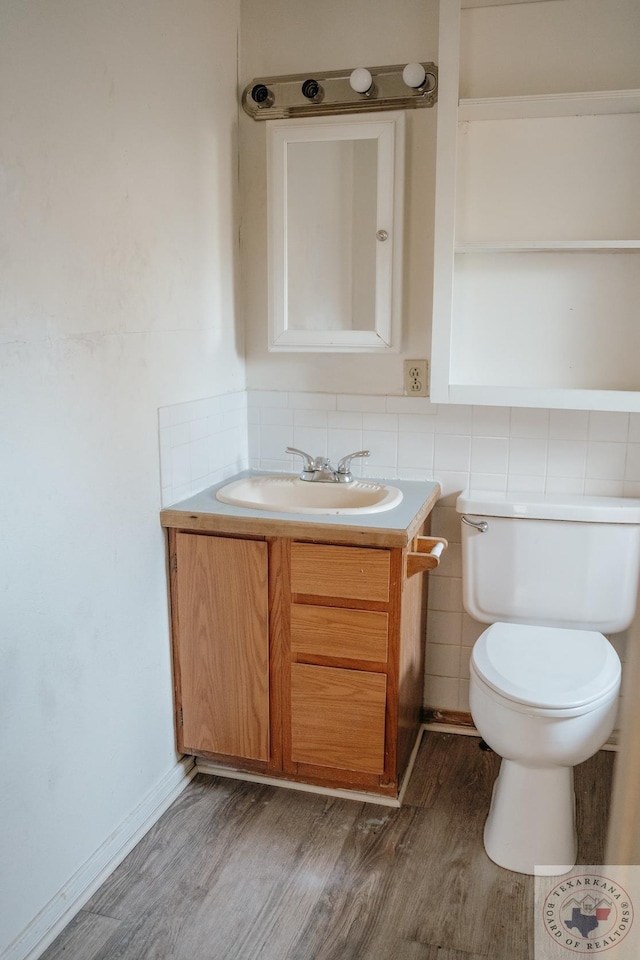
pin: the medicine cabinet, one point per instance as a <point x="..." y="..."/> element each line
<point x="537" y="247"/>
<point x="335" y="199"/>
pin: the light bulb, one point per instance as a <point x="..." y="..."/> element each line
<point x="360" y="80"/>
<point x="414" y="75"/>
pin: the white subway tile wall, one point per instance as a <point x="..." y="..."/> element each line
<point x="203" y="442"/>
<point x="558" y="451"/>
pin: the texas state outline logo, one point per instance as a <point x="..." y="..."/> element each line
<point x="587" y="914"/>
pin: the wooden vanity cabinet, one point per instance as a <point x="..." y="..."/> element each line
<point x="297" y="659"/>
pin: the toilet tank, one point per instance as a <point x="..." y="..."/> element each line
<point x="555" y="560"/>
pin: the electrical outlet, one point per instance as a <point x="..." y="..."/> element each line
<point x="416" y="378"/>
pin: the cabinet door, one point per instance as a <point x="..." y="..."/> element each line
<point x="222" y="645"/>
<point x="338" y="717"/>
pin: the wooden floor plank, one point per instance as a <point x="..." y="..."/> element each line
<point x="348" y="917"/>
<point x="424" y="951"/>
<point x="231" y="903"/>
<point x="274" y="929"/>
<point x="85" y="937"/>
<point x="240" y="871"/>
<point x="209" y="815"/>
<point x="425" y="879"/>
<point x="593" y="781"/>
<point x="442" y="754"/>
<point x="259" y="903"/>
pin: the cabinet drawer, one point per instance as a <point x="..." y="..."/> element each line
<point x="351" y="572"/>
<point x="338" y="717"/>
<point x="338" y="632"/>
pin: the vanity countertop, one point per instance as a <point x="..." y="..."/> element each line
<point x="393" y="528"/>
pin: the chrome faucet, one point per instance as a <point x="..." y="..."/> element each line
<point x="319" y="469"/>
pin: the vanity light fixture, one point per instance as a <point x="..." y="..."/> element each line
<point x="395" y="87"/>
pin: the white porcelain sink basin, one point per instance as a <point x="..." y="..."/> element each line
<point x="289" y="494"/>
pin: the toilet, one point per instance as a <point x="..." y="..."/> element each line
<point x="551" y="574"/>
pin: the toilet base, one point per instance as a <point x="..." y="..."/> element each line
<point x="531" y="821"/>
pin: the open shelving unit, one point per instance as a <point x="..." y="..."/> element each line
<point x="537" y="248"/>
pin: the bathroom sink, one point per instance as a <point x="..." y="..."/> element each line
<point x="289" y="494"/>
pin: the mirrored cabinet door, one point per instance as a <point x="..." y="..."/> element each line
<point x="335" y="195"/>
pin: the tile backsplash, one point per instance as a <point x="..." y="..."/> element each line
<point x="203" y="442"/>
<point x="500" y="448"/>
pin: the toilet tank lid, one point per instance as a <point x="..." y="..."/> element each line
<point x="549" y="506"/>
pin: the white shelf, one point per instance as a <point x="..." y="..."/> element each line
<point x="596" y="102"/>
<point x="549" y="246"/>
<point x="556" y="398"/>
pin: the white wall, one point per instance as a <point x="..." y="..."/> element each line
<point x="547" y="47"/>
<point x="118" y="271"/>
<point x="291" y="37"/>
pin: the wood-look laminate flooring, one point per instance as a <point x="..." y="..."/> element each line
<point x="241" y="871"/>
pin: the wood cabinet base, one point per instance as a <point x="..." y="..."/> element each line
<point x="297" y="660"/>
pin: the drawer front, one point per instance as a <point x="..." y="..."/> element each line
<point x="354" y="573"/>
<point x="338" y="717"/>
<point x="338" y="632"/>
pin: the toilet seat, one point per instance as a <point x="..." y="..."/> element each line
<point x="540" y="669"/>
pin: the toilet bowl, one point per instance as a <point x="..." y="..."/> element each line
<point x="544" y="706"/>
<point x="551" y="574"/>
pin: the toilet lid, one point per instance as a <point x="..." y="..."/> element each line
<point x="547" y="667"/>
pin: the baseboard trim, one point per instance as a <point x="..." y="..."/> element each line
<point x="218" y="770"/>
<point x="440" y="727"/>
<point x="410" y="765"/>
<point x="61" y="909"/>
<point x="452" y="718"/>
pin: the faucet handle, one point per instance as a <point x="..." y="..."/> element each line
<point x="344" y="465"/>
<point x="308" y="465"/>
